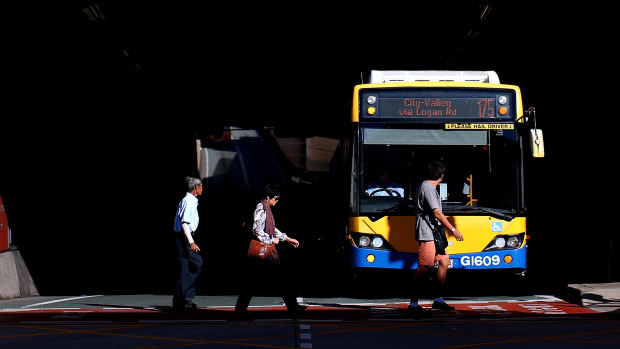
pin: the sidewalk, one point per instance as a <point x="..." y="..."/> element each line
<point x="603" y="297"/>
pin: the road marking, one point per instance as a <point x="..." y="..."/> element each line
<point x="58" y="301"/>
<point x="305" y="337"/>
<point x="543" y="309"/>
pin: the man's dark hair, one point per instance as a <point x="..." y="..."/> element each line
<point x="271" y="190"/>
<point x="435" y="170"/>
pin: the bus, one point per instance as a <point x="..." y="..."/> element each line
<point x="401" y="121"/>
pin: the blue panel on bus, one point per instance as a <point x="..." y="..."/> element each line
<point x="382" y="259"/>
<point x="501" y="259"/>
<point x="369" y="258"/>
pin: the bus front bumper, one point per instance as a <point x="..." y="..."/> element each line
<point x="500" y="259"/>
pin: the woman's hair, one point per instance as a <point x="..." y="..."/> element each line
<point x="192" y="182"/>
<point x="435" y="170"/>
<point x="271" y="190"/>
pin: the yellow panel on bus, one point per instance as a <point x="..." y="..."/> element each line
<point x="478" y="231"/>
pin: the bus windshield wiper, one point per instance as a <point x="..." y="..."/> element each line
<point x="491" y="212"/>
<point x="496" y="214"/>
<point x="375" y="217"/>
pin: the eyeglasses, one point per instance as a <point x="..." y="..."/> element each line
<point x="276" y="198"/>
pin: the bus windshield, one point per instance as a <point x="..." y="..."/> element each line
<point x="482" y="175"/>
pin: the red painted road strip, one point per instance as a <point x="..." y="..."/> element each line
<point x="345" y="312"/>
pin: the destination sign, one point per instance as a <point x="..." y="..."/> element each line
<point x="437" y="104"/>
<point x="437" y="107"/>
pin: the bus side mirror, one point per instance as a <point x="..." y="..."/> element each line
<point x="536" y="143"/>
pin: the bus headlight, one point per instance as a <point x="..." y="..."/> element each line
<point x="372" y="241"/>
<point x="505" y="242"/>
<point x="513" y="242"/>
<point x="363" y="241"/>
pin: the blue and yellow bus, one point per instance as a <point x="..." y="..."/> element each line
<point x="477" y="127"/>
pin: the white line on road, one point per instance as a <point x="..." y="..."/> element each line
<point x="58" y="301"/>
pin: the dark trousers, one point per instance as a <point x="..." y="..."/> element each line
<point x="189" y="264"/>
<point x="264" y="274"/>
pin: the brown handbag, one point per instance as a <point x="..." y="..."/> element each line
<point x="260" y="250"/>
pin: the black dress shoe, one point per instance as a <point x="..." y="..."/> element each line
<point x="418" y="312"/>
<point x="182" y="308"/>
<point x="189" y="304"/>
<point x="298" y="309"/>
<point x="178" y="308"/>
<point x="243" y="312"/>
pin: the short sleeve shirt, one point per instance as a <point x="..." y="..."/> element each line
<point x="187" y="212"/>
<point x="427" y="198"/>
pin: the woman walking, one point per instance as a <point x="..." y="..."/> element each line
<point x="264" y="230"/>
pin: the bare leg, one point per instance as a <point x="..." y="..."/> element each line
<point x="417" y="277"/>
<point x="440" y="278"/>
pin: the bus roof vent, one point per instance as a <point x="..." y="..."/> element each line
<point x="381" y="76"/>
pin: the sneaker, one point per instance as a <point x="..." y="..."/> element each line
<point x="442" y="306"/>
<point x="417" y="311"/>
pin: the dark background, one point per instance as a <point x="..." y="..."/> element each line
<point x="101" y="116"/>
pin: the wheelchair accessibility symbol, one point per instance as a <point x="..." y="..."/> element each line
<point x="497" y="227"/>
